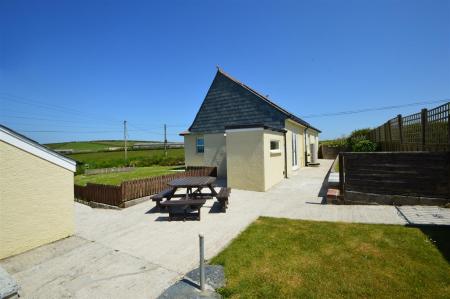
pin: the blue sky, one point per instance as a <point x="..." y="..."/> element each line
<point x="79" y="68"/>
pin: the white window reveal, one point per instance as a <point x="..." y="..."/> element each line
<point x="275" y="147"/>
<point x="294" y="151"/>
<point x="200" y="145"/>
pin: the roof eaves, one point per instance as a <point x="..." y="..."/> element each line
<point x="23" y="141"/>
<point x="234" y="127"/>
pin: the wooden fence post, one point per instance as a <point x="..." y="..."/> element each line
<point x="423" y="121"/>
<point x="448" y="126"/>
<point x="341" y="173"/>
<point x="400" y="128"/>
<point x="389" y="131"/>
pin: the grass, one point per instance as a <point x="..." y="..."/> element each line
<point x="96" y="145"/>
<point x="135" y="158"/>
<point x="280" y="258"/>
<point x="117" y="178"/>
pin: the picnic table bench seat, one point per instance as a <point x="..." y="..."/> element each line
<point x="222" y="197"/>
<point x="161" y="195"/>
<point x="184" y="204"/>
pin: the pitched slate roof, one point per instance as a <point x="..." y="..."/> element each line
<point x="230" y="103"/>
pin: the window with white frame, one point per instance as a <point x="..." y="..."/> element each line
<point x="274" y="145"/>
<point x="200" y="145"/>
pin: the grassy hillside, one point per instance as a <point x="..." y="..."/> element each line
<point x="137" y="158"/>
<point x="96" y="145"/>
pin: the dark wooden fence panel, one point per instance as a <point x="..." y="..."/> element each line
<point x="128" y="190"/>
<point x="424" y="174"/>
<point x="427" y="130"/>
<point x="330" y="152"/>
<point x="106" y="194"/>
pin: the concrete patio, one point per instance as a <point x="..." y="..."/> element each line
<point x="137" y="253"/>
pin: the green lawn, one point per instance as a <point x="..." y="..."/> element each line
<point x="136" y="158"/>
<point x="117" y="178"/>
<point x="280" y="258"/>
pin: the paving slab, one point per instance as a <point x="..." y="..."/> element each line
<point x="333" y="179"/>
<point x="425" y="215"/>
<point x="89" y="270"/>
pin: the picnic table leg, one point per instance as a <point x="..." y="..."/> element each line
<point x="174" y="189"/>
<point x="213" y="191"/>
<point x="188" y="191"/>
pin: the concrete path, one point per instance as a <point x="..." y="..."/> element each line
<point x="136" y="253"/>
<point x="425" y="215"/>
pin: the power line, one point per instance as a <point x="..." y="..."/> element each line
<point x="139" y="129"/>
<point x="40" y="118"/>
<point x="372" y="109"/>
<point x="71" y="121"/>
<point x="63" y="131"/>
<point x="61" y="126"/>
<point x="73" y="112"/>
<point x="57" y="108"/>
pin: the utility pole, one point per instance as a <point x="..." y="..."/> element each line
<point x="125" y="137"/>
<point x="165" y="140"/>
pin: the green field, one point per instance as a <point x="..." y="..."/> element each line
<point x="117" y="178"/>
<point x="280" y="258"/>
<point x="138" y="158"/>
<point x="96" y="145"/>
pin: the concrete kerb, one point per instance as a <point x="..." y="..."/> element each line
<point x="8" y="285"/>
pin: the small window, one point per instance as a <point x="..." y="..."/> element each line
<point x="274" y="145"/>
<point x="200" y="145"/>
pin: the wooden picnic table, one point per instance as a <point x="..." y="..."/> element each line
<point x="191" y="200"/>
<point x="197" y="183"/>
<point x="194" y="198"/>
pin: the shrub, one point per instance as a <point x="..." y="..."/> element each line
<point x="358" y="141"/>
<point x="338" y="142"/>
<point x="365" y="132"/>
<point x="364" y="145"/>
<point x="356" y="137"/>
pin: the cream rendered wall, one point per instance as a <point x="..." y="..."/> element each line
<point x="295" y="128"/>
<point x="215" y="153"/>
<point x="312" y="136"/>
<point x="191" y="157"/>
<point x="36" y="201"/>
<point x="245" y="159"/>
<point x="273" y="160"/>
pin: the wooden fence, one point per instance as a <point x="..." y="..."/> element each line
<point x="427" y="130"/>
<point x="128" y="190"/>
<point x="413" y="174"/>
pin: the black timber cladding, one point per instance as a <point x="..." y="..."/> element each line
<point x="231" y="103"/>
